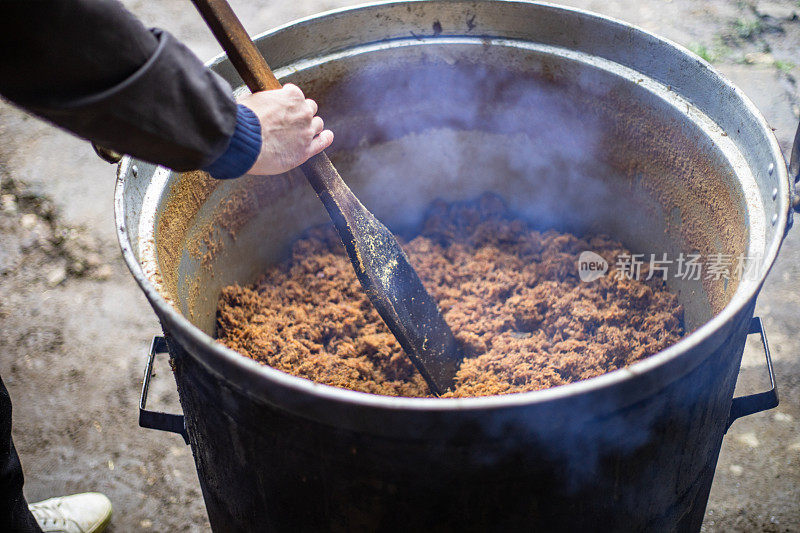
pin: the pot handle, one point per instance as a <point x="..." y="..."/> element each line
<point x="157" y="419"/>
<point x="109" y="156"/>
<point x="755" y="403"/>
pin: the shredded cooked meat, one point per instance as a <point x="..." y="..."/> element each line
<point x="511" y="295"/>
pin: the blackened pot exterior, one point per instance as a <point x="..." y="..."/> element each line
<point x="647" y="467"/>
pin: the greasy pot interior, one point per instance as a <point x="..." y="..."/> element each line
<point x="570" y="141"/>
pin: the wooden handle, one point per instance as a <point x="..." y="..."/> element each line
<point x="233" y="38"/>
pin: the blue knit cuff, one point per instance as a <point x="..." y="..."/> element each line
<point x="243" y="149"/>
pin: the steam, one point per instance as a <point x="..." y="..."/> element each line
<point x="408" y="135"/>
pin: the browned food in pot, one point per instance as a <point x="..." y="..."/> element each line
<point x="511" y="295"/>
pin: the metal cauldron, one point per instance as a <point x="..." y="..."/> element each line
<point x="579" y="122"/>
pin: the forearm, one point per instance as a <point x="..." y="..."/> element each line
<point x="92" y="68"/>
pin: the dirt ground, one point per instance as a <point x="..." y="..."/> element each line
<point x="74" y="327"/>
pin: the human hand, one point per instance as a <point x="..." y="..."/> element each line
<point x="290" y="131"/>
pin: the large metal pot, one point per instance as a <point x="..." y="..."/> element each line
<point x="579" y="122"/>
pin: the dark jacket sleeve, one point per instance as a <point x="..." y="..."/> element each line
<point x="90" y="67"/>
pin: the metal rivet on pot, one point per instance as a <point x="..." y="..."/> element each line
<point x="774" y="218"/>
<point x="135" y="170"/>
<point x="771" y="168"/>
<point x="774" y="193"/>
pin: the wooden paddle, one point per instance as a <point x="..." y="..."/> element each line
<point x="381" y="265"/>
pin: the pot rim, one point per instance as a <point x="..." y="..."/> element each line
<point x="745" y="293"/>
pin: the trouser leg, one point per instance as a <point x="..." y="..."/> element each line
<point x="14" y="513"/>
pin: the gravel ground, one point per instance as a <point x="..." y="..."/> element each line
<point x="75" y="328"/>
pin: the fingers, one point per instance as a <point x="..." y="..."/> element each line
<point x="292" y="131"/>
<point x="319" y="143"/>
<point x="312" y="105"/>
<point x="317" y="125"/>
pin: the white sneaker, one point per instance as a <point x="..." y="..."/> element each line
<point x="89" y="512"/>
